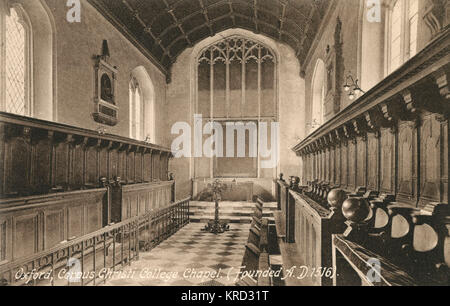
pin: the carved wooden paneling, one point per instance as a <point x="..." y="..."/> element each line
<point x="94" y="216"/>
<point x="114" y="164"/>
<point x="103" y="158"/>
<point x="387" y="175"/>
<point x="361" y="162"/>
<point x="344" y="165"/>
<point x="431" y="159"/>
<point x="61" y="163"/>
<point x="53" y="227"/>
<point x="372" y="162"/>
<point x="17" y="164"/>
<point x="77" y="166"/>
<point x="444" y="157"/>
<point x="41" y="161"/>
<point x="351" y="165"/>
<point x="5" y="229"/>
<point x="75" y="220"/>
<point x="50" y="220"/>
<point x="148" y="167"/>
<point x="338" y="165"/>
<point x="155" y="165"/>
<point x="333" y="165"/>
<point x="91" y="166"/>
<point x="122" y="165"/>
<point x="327" y="166"/>
<point x="26" y="232"/>
<point x="138" y="167"/>
<point x="407" y="158"/>
<point x="130" y="168"/>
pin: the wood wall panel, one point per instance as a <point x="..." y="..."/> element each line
<point x="430" y="163"/>
<point x="351" y="164"/>
<point x="122" y="165"/>
<point x="61" y="165"/>
<point x="372" y="161"/>
<point x="113" y="164"/>
<point x="75" y="223"/>
<point x="53" y="227"/>
<point x="103" y="158"/>
<point x="147" y="168"/>
<point x="408" y="160"/>
<point x="138" y="167"/>
<point x="78" y="159"/>
<point x="444" y="158"/>
<point x="91" y="166"/>
<point x="26" y="230"/>
<point x="333" y="165"/>
<point x="130" y="177"/>
<point x="338" y="165"/>
<point x="387" y="169"/>
<point x="407" y="156"/>
<point x="344" y="167"/>
<point x="42" y="160"/>
<point x="361" y="162"/>
<point x="17" y="166"/>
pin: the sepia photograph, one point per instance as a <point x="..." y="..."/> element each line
<point x="247" y="145"/>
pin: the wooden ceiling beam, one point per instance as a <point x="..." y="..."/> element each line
<point x="147" y="29"/>
<point x="177" y="23"/>
<point x="206" y="16"/>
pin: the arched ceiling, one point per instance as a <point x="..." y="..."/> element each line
<point x="165" y="28"/>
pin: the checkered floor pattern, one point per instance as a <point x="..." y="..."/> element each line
<point x="191" y="257"/>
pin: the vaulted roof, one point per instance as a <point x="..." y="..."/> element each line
<point x="163" y="29"/>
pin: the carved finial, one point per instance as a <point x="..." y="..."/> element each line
<point x="105" y="50"/>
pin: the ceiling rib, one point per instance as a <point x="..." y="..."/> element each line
<point x="165" y="28"/>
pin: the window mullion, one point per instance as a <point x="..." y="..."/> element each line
<point x="259" y="104"/>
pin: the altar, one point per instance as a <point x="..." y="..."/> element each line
<point x="237" y="190"/>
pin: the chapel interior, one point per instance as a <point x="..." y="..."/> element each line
<point x="110" y="158"/>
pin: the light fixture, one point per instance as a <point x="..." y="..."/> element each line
<point x="352" y="87"/>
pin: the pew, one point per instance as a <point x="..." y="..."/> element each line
<point x="410" y="246"/>
<point x="256" y="256"/>
<point x="389" y="150"/>
<point x="309" y="243"/>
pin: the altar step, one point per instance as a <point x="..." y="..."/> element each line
<point x="234" y="212"/>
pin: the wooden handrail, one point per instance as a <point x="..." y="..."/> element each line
<point x="9" y="118"/>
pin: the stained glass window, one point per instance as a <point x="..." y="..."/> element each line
<point x="16" y="65"/>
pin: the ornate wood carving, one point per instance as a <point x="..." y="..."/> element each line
<point x="41" y="158"/>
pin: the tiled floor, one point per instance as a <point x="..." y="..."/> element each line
<point x="191" y="257"/>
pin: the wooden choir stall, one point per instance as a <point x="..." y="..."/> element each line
<point x="372" y="202"/>
<point x="69" y="193"/>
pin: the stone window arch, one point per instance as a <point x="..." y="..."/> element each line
<point x="27" y="70"/>
<point x="318" y="95"/>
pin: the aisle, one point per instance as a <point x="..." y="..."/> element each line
<point x="191" y="257"/>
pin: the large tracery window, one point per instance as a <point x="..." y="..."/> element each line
<point x="16" y="64"/>
<point x="237" y="83"/>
